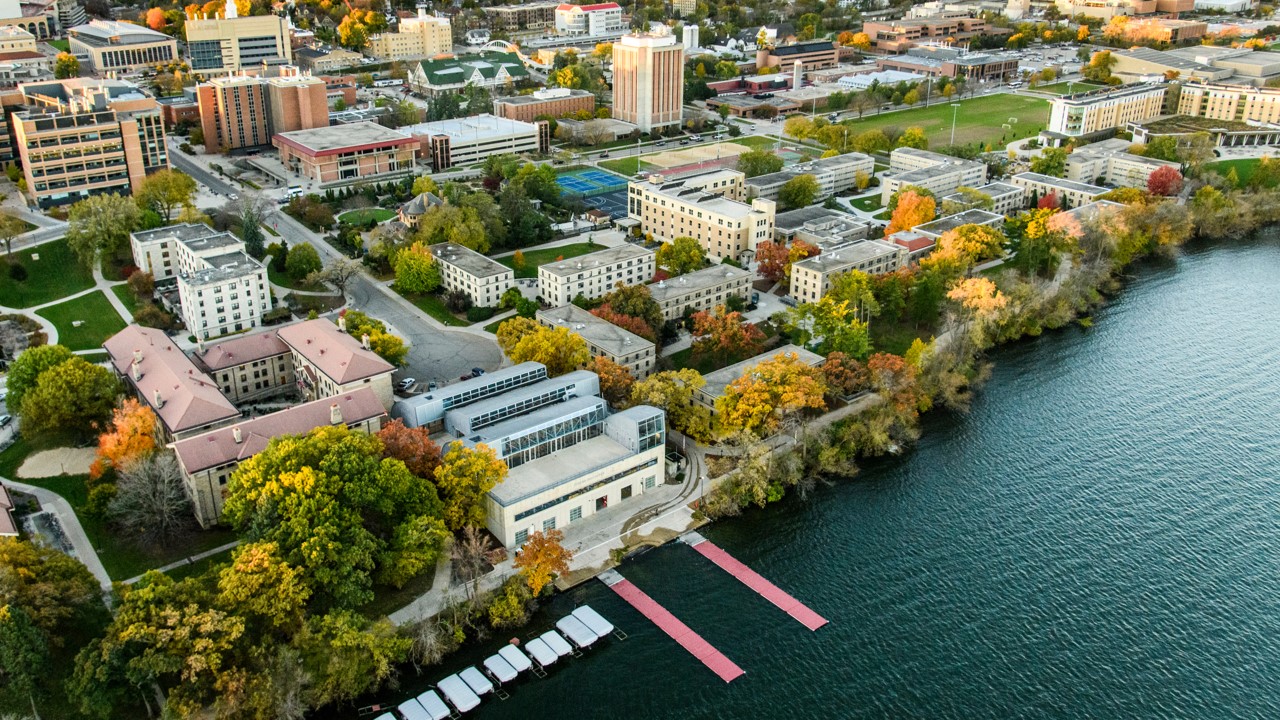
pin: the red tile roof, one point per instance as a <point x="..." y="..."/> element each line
<point x="243" y="349"/>
<point x="21" y="55"/>
<point x="219" y="447"/>
<point x="333" y="352"/>
<point x="8" y="526"/>
<point x="189" y="399"/>
<point x="910" y="240"/>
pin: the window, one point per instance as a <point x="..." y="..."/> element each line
<point x="649" y="482"/>
<point x="522" y="536"/>
<point x="575" y="513"/>
<point x="548" y="524"/>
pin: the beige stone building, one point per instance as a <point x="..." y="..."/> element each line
<point x="483" y="279"/>
<point x="604" y="338"/>
<point x="648" y="80"/>
<point x="594" y="274"/>
<point x="327" y="361"/>
<point x="112" y="46"/>
<point x="1110" y="162"/>
<point x="1217" y="101"/>
<point x="82" y="137"/>
<point x="230" y="44"/>
<point x="249" y="367"/>
<point x="1105" y="109"/>
<point x="811" y="278"/>
<point x="707" y="207"/>
<point x="208" y="460"/>
<point x="417" y="37"/>
<point x="701" y="290"/>
<point x="938" y="173"/>
<point x="1070" y="193"/>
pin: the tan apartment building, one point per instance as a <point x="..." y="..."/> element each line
<point x="417" y="37"/>
<point x="208" y="460"/>
<point x="322" y="60"/>
<point x="701" y="290"/>
<point x="648" y="80"/>
<point x="82" y="137"/>
<point x="895" y="36"/>
<point x="1105" y="109"/>
<point x="112" y="46"/>
<point x="1110" y="162"/>
<point x="604" y="339"/>
<point x="935" y="172"/>
<point x="483" y="279"/>
<point x="347" y="153"/>
<point x="230" y="43"/>
<point x="327" y="361"/>
<point x="1241" y="103"/>
<point x="553" y="102"/>
<point x="1006" y="199"/>
<point x="811" y="278"/>
<point x="705" y="207"/>
<point x="248" y="368"/>
<point x="1070" y="193"/>
<point x="594" y="274"/>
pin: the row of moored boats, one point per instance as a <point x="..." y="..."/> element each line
<point x="462" y="692"/>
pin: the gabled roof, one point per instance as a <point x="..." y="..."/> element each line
<point x="188" y="399"/>
<point x="240" y="350"/>
<point x="333" y="352"/>
<point x="448" y="71"/>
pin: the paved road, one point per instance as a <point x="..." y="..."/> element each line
<point x="179" y="160"/>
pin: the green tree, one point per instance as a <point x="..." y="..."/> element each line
<point x="674" y="391"/>
<point x="465" y="475"/>
<point x="800" y="191"/>
<point x="261" y="587"/>
<point x="1050" y="161"/>
<point x="303" y="260"/>
<point x="56" y="591"/>
<point x="681" y="255"/>
<point x="65" y="65"/>
<point x="345" y="655"/>
<point x="872" y="141"/>
<point x="100" y="225"/>
<point x="559" y="348"/>
<point x="758" y="162"/>
<point x="451" y="223"/>
<point x="726" y="70"/>
<point x="165" y="191"/>
<point x="10" y="228"/>
<point x="24" y="656"/>
<point x="416" y="270"/>
<point x="24" y="370"/>
<point x="73" y="396"/>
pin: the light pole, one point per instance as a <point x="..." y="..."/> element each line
<point x="955" y="108"/>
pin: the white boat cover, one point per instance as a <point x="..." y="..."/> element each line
<point x="578" y="632"/>
<point x="556" y="642"/>
<point x="518" y="660"/>
<point x="500" y="668"/>
<point x="593" y="620"/>
<point x="476" y="680"/>
<point x="411" y="710"/>
<point x="458" y="694"/>
<point x="434" y="706"/>
<point x="541" y="652"/>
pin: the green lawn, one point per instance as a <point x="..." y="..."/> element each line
<point x="99" y="321"/>
<point x="1061" y="88"/>
<point x="127" y="297"/>
<point x="63" y="45"/>
<point x="285" y="281"/>
<point x="364" y="215"/>
<point x="433" y="305"/>
<point x="56" y="274"/>
<point x="977" y="120"/>
<point x="1244" y="168"/>
<point x="534" y="258"/>
<point x="627" y="166"/>
<point x="121" y="557"/>
<point x="871" y="203"/>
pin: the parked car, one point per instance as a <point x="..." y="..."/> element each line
<point x="477" y="372"/>
<point x="684" y="142"/>
<point x="431" y="386"/>
<point x="604" y="154"/>
<point x="406" y="383"/>
<point x="5" y="420"/>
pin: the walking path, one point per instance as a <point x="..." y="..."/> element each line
<point x="61" y="509"/>
<point x="189" y="560"/>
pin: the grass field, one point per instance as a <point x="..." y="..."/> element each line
<point x="1244" y="168"/>
<point x="56" y="274"/>
<point x="127" y="297"/>
<point x="534" y="258"/>
<point x="364" y="215"/>
<point x="63" y="45"/>
<point x="433" y="305"/>
<point x="870" y="203"/>
<point x="1061" y="88"/>
<point x="627" y="166"/>
<point x="977" y="120"/>
<point x="98" y="321"/>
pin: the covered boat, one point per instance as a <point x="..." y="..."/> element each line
<point x="593" y="620"/>
<point x="500" y="669"/>
<point x="476" y="680"/>
<point x="434" y="706"/>
<point x="458" y="694"/>
<point x="556" y="642"/>
<point x="541" y="652"/>
<point x="517" y="659"/>
<point x="410" y="710"/>
<point x="577" y="631"/>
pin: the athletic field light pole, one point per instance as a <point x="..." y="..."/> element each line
<point x="955" y="109"/>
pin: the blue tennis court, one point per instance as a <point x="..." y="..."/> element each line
<point x="590" y="181"/>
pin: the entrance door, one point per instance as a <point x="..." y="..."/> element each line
<point x="602" y="502"/>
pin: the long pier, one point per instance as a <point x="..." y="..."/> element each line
<point x="754" y="580"/>
<point x="672" y="626"/>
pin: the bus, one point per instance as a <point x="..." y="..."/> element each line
<point x="392" y="82"/>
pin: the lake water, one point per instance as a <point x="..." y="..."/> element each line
<point x="1098" y="537"/>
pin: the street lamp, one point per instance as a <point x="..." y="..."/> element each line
<point x="955" y="109"/>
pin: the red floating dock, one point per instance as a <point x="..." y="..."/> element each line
<point x="671" y="625"/>
<point x="755" y="581"/>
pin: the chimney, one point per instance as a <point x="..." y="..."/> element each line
<point x="137" y="371"/>
<point x="137" y="356"/>
<point x="235" y="435"/>
<point x="364" y="340"/>
<point x="342" y="323"/>
<point x="200" y="346"/>
<point x="156" y="399"/>
<point x="335" y="414"/>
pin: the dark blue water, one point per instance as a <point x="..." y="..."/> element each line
<point x="1098" y="538"/>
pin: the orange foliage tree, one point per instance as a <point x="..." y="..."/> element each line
<point x="132" y="436"/>
<point x="896" y="381"/>
<point x="913" y="209"/>
<point x="1165" y="181"/>
<point x="630" y="323"/>
<point x="768" y="392"/>
<point x="156" y="19"/>
<point x="844" y="375"/>
<point x="541" y="558"/>
<point x="772" y="257"/>
<point x="411" y="446"/>
<point x="726" y="334"/>
<point x="615" y="380"/>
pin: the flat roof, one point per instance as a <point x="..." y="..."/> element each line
<point x="224" y="267"/>
<point x="468" y="260"/>
<point x="537" y="476"/>
<point x="849" y="255"/>
<point x="542" y="96"/>
<point x="607" y="256"/>
<point x="685" y="191"/>
<point x="601" y="333"/>
<point x="1107" y="93"/>
<point x="475" y="127"/>
<point x="793" y="220"/>
<point x="720" y="379"/>
<point x="183" y="232"/>
<point x="713" y="276"/>
<point x="337" y="139"/>
<point x="1061" y="182"/>
<point x="951" y="222"/>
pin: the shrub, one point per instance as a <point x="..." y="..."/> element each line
<point x="457" y="301"/>
<point x="18" y="272"/>
<point x="100" y="496"/>
<point x="478" y="313"/>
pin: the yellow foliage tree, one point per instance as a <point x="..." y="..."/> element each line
<point x="974" y="242"/>
<point x="541" y="558"/>
<point x="768" y="392"/>
<point x="559" y="348"/>
<point x="913" y="209"/>
<point x="978" y="295"/>
<point x="464" y="476"/>
<point x="131" y="437"/>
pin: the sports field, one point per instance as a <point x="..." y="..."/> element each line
<point x="978" y="120"/>
<point x="701" y="157"/>
<point x="589" y="181"/>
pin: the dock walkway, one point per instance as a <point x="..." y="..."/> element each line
<point x="754" y="580"/>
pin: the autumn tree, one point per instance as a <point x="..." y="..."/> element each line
<point x="65" y="65"/>
<point x="769" y="391"/>
<point x="411" y="446"/>
<point x="896" y="381"/>
<point x="772" y="259"/>
<point x="1166" y="181"/>
<point x="150" y="502"/>
<point x="100" y="225"/>
<point x="975" y="242"/>
<point x="259" y="586"/>
<point x="913" y="209"/>
<point x="913" y="137"/>
<point x="681" y="255"/>
<point x="130" y="437"/>
<point x="165" y="191"/>
<point x="725" y="334"/>
<point x="417" y="271"/>
<point x="843" y="374"/>
<point x="54" y="589"/>
<point x="72" y="396"/>
<point x="385" y="345"/>
<point x="464" y="476"/>
<point x="631" y="324"/>
<point x="26" y="368"/>
<point x="800" y="191"/>
<point x="872" y="141"/>
<point x="559" y="348"/>
<point x="636" y="301"/>
<point x="675" y="392"/>
<point x="541" y="558"/>
<point x="1035" y="242"/>
<point x="758" y="162"/>
<point x="615" y="380"/>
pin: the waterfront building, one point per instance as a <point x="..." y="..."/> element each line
<point x="648" y="80"/>
<point x="811" y="278"/>
<point x="231" y="44"/>
<point x="594" y="274"/>
<point x="462" y="269"/>
<point x="705" y="207"/>
<point x="1070" y="193"/>
<point x="345" y="154"/>
<point x="109" y="46"/>
<point x="429" y="409"/>
<point x="416" y="37"/>
<point x="701" y="290"/>
<point x="208" y="460"/>
<point x="717" y="381"/>
<point x="935" y="172"/>
<point x="604" y="338"/>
